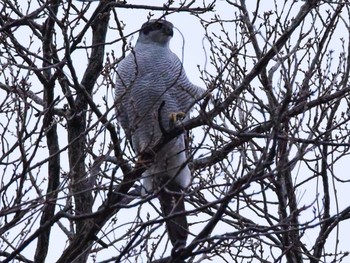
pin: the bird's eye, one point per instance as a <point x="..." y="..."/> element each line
<point x="157" y="25"/>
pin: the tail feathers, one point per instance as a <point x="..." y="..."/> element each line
<point x="172" y="202"/>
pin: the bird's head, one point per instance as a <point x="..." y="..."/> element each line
<point x="156" y="31"/>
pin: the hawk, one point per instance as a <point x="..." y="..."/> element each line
<point x="152" y="92"/>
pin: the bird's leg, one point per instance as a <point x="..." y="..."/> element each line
<point x="176" y="117"/>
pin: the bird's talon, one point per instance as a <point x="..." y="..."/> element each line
<point x="177" y="116"/>
<point x="145" y="159"/>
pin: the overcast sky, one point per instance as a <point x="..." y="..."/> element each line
<point x="191" y="47"/>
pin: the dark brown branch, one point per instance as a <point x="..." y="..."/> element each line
<point x="187" y="8"/>
<point x="49" y="125"/>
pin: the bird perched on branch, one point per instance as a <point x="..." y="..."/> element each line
<point x="152" y="94"/>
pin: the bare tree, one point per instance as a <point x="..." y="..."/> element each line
<point x="269" y="151"/>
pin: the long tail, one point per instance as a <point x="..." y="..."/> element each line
<point x="172" y="201"/>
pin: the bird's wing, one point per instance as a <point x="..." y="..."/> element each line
<point x="122" y="93"/>
<point x="184" y="91"/>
